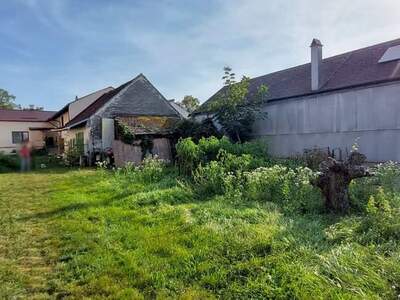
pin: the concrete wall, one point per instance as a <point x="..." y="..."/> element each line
<point x="36" y="137"/>
<point x="336" y="120"/>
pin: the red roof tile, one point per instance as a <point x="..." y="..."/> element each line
<point x="25" y="115"/>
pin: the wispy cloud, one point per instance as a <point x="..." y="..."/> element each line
<point x="69" y="47"/>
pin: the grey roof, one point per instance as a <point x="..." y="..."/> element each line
<point x="95" y="94"/>
<point x="135" y="97"/>
<point x="179" y="108"/>
<point x="352" y="69"/>
<point x="145" y="99"/>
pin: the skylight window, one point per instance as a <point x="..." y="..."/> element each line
<point x="393" y="53"/>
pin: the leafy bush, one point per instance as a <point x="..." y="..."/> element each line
<point x="47" y="161"/>
<point x="8" y="163"/>
<point x="190" y="154"/>
<point x="151" y="170"/>
<point x="240" y="177"/>
<point x="382" y="222"/>
<point x="125" y="133"/>
<point x="210" y="178"/>
<point x="72" y="156"/>
<point x="196" y="130"/>
<point x="290" y="188"/>
<point x="386" y="175"/>
<point x="211" y="146"/>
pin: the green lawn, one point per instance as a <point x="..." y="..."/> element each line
<point x="88" y="234"/>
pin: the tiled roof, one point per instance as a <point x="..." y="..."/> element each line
<point x="25" y="115"/>
<point x="144" y="99"/>
<point x="355" y="68"/>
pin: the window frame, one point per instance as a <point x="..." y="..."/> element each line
<point x="23" y="137"/>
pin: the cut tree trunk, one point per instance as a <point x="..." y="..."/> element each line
<point x="335" y="178"/>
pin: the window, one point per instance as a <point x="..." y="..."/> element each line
<point x="79" y="140"/>
<point x="393" y="53"/>
<point x="18" y="137"/>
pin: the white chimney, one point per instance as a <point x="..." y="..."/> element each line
<point x="316" y="59"/>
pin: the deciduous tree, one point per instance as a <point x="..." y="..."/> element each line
<point x="234" y="109"/>
<point x="7" y="100"/>
<point x="190" y="103"/>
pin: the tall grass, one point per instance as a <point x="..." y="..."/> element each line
<point x="130" y="235"/>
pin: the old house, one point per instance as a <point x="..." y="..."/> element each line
<point x="136" y="105"/>
<point x="333" y="103"/>
<point x="91" y="125"/>
<point x="18" y="126"/>
<point x="64" y="137"/>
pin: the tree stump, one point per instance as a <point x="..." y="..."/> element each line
<point x="335" y="177"/>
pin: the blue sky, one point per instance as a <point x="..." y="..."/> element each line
<point x="52" y="50"/>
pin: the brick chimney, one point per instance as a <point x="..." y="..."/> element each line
<point x="316" y="59"/>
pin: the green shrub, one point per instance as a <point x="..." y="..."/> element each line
<point x="386" y="175"/>
<point x="72" y="156"/>
<point x="151" y="170"/>
<point x="382" y="222"/>
<point x="8" y="162"/>
<point x="196" y="130"/>
<point x="378" y="197"/>
<point x="290" y="188"/>
<point x="125" y="133"/>
<point x="209" y="179"/>
<point x="188" y="156"/>
<point x="211" y="146"/>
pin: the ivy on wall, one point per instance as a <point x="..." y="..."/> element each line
<point x="125" y="133"/>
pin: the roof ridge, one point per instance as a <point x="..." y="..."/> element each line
<point x="122" y="86"/>
<point x="330" y="57"/>
<point x="162" y="96"/>
<point x="66" y="106"/>
<point x="92" y="93"/>
<point x="353" y="68"/>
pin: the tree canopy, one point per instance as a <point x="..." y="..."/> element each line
<point x="190" y="103"/>
<point x="233" y="111"/>
<point x="7" y="100"/>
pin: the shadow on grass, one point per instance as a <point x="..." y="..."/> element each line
<point x="72" y="207"/>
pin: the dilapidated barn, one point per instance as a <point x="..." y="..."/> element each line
<point x="136" y="106"/>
